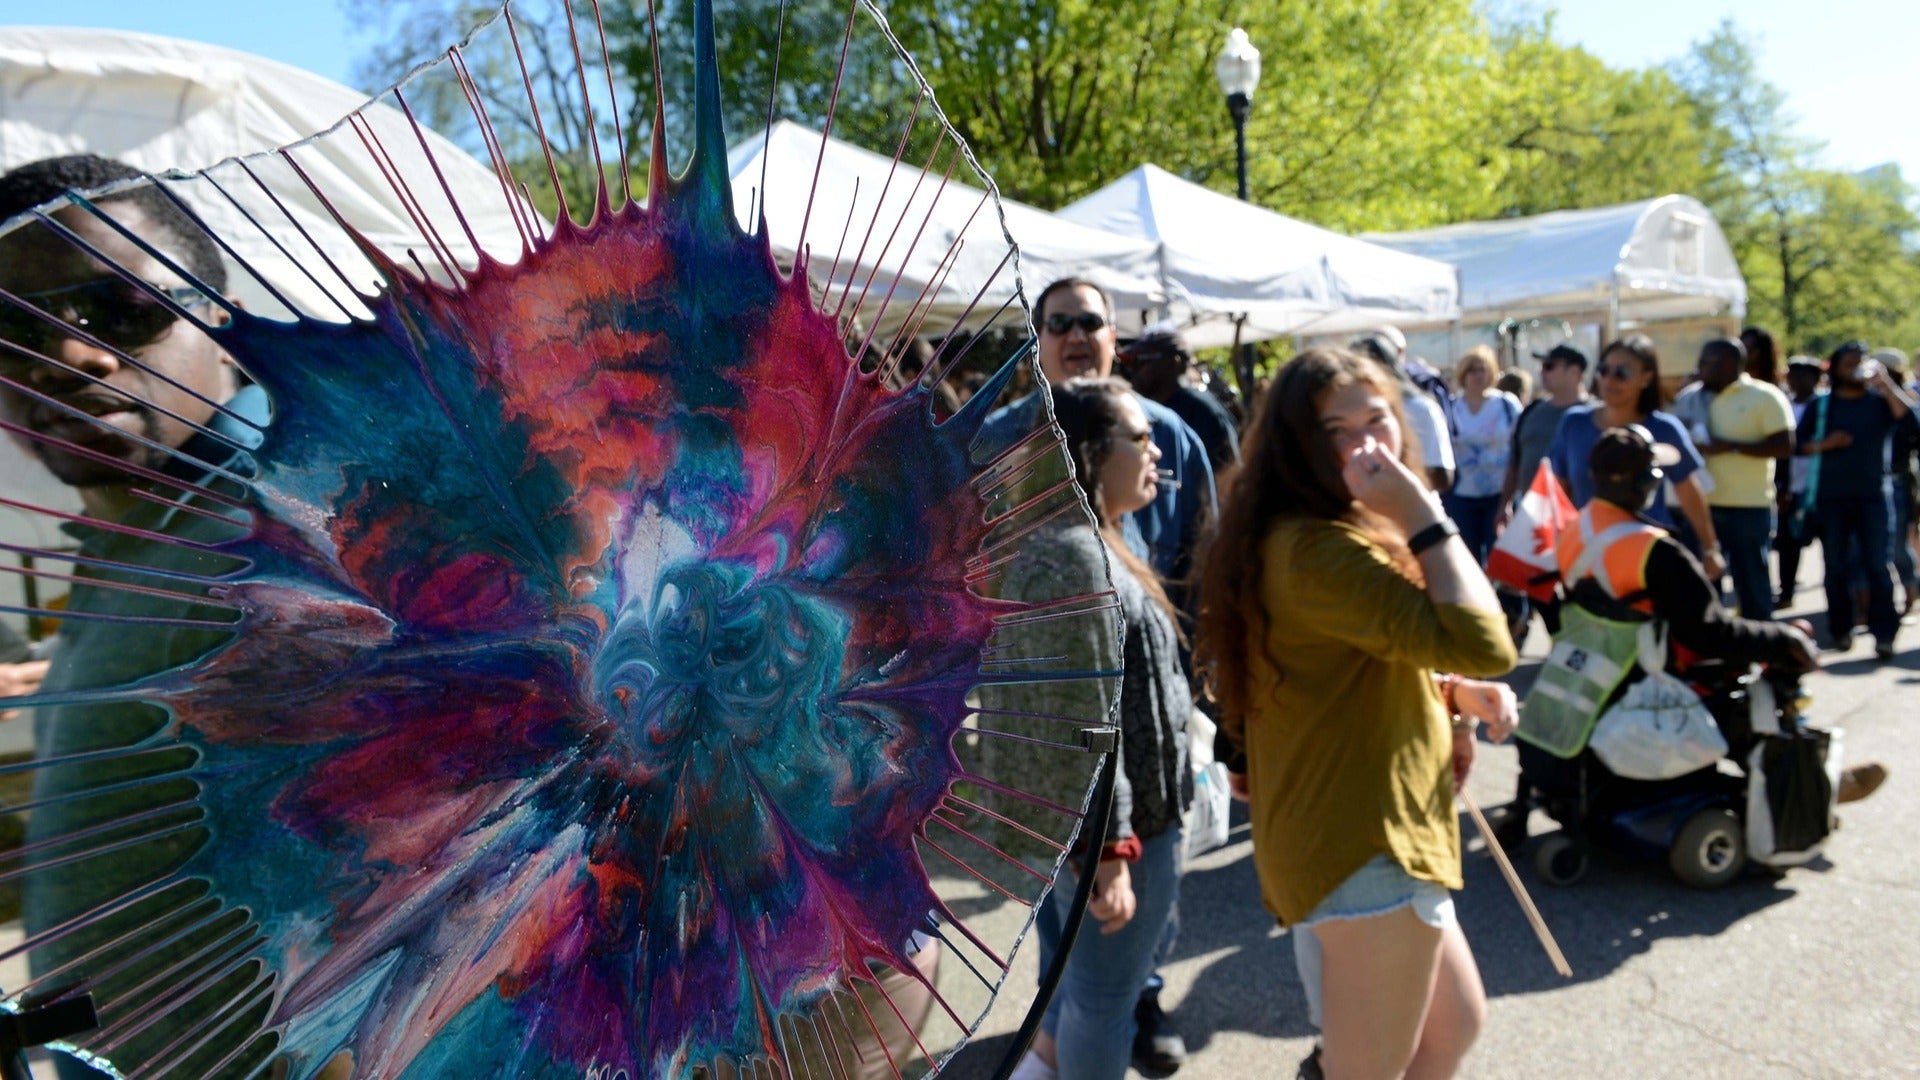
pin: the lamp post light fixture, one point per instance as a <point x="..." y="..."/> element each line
<point x="1238" y="70"/>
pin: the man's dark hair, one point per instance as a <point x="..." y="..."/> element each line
<point x="1857" y="348"/>
<point x="1724" y="348"/>
<point x="40" y="182"/>
<point x="1040" y="302"/>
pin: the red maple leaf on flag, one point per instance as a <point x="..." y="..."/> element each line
<point x="1543" y="537"/>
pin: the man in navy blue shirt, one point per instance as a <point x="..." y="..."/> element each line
<point x="1847" y="432"/>
<point x="1074" y="318"/>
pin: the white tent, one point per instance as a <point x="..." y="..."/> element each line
<point x="159" y="103"/>
<point x="850" y="186"/>
<point x="1222" y="258"/>
<point x="1663" y="258"/>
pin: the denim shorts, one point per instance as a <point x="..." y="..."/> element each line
<point x="1378" y="887"/>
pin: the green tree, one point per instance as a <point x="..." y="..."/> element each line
<point x="1827" y="256"/>
<point x="1568" y="131"/>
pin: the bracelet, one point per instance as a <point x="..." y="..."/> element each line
<point x="1436" y="533"/>
<point x="1448" y="685"/>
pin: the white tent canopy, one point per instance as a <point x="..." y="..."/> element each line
<point x="1663" y="258"/>
<point x="159" y="103"/>
<point x="1222" y="258"/>
<point x="849" y="189"/>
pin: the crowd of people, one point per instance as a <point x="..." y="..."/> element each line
<point x="1326" y="600"/>
<point x="1343" y="578"/>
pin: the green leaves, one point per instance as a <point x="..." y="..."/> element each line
<point x="1371" y="114"/>
<point x="1828" y="256"/>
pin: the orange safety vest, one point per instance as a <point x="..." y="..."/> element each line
<point x="1620" y="544"/>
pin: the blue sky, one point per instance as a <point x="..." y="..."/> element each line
<point x="1851" y="68"/>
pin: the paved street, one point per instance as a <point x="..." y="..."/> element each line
<point x="1810" y="974"/>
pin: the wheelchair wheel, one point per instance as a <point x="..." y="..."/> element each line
<point x="1710" y="850"/>
<point x="1560" y="859"/>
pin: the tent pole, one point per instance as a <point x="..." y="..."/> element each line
<point x="1243" y="362"/>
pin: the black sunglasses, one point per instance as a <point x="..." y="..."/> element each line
<point x="1090" y="321"/>
<point x="1623" y="372"/>
<point x="112" y="310"/>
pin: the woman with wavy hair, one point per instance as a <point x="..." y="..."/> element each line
<point x="1087" y="1032"/>
<point x="1334" y="593"/>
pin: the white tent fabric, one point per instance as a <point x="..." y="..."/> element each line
<point x="159" y="103"/>
<point x="849" y="189"/>
<point x="1222" y="258"/>
<point x="1666" y="257"/>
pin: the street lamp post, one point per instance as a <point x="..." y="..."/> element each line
<point x="1238" y="70"/>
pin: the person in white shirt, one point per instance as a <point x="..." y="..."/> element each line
<point x="1482" y="425"/>
<point x="1425" y="418"/>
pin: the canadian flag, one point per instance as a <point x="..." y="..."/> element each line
<point x="1523" y="555"/>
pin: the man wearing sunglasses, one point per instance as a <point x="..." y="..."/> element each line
<point x="1074" y="318"/>
<point x="1077" y="337"/>
<point x="108" y="379"/>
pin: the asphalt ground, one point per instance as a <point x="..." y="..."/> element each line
<point x="1810" y="973"/>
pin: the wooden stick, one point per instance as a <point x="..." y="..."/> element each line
<point x="1519" y="891"/>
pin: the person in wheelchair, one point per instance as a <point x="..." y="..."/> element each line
<point x="1619" y="565"/>
<point x="1621" y="568"/>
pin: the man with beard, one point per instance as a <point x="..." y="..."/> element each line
<point x="1156" y="363"/>
<point x="118" y="399"/>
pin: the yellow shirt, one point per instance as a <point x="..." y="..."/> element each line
<point x="1349" y="749"/>
<point x="1747" y="411"/>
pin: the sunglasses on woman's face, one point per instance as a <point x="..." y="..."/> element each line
<point x="1090" y="321"/>
<point x="1141" y="439"/>
<point x="1622" y="372"/>
<point x="111" y="310"/>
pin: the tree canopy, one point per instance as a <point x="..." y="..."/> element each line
<point x="1373" y="114"/>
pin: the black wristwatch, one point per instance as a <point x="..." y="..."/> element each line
<point x="1433" y="534"/>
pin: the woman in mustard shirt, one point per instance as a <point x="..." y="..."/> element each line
<point x="1334" y="592"/>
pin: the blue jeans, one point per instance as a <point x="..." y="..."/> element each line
<point x="1903" y="553"/>
<point x="1790" y="548"/>
<point x="1867" y="522"/>
<point x="1091" y="1016"/>
<point x="1476" y="516"/>
<point x="1746" y="532"/>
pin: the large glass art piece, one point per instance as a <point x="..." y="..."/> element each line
<point x="581" y="659"/>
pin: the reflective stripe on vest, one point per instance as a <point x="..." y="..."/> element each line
<point x="1611" y="546"/>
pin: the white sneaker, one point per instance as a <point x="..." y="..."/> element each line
<point x="1032" y="1067"/>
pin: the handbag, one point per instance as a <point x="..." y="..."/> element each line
<point x="1207" y="824"/>
<point x="1805" y="522"/>
<point x="1792" y="780"/>
<point x="1659" y="729"/>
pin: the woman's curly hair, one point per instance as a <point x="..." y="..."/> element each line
<point x="1288" y="468"/>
